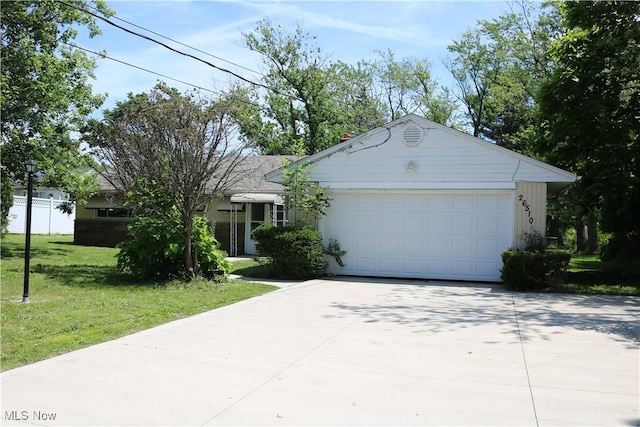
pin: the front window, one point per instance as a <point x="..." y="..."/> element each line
<point x="114" y="213"/>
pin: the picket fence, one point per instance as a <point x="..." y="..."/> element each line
<point x="46" y="218"/>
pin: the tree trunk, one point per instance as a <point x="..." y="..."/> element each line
<point x="592" y="234"/>
<point x="556" y="229"/>
<point x="581" y="236"/>
<point x="188" y="259"/>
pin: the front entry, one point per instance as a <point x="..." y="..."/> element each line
<point x="258" y="214"/>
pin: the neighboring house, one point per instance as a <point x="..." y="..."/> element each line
<point x="249" y="202"/>
<point x="46" y="218"/>
<point x="417" y="199"/>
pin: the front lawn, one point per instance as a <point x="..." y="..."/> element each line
<point x="587" y="274"/>
<point x="79" y="298"/>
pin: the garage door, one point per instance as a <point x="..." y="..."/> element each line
<point x="438" y="235"/>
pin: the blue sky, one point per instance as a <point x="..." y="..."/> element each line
<point x="346" y="30"/>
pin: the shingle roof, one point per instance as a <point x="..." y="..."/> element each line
<point x="248" y="175"/>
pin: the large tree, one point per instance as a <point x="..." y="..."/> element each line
<point x="498" y="67"/>
<point x="46" y="91"/>
<point x="297" y="104"/>
<point x="406" y="86"/>
<point x="165" y="150"/>
<point x="590" y="112"/>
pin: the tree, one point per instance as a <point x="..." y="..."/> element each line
<point x="475" y="68"/>
<point x="303" y="198"/>
<point x="407" y="87"/>
<point x="46" y="94"/>
<point x="166" y="150"/>
<point x="589" y="110"/>
<point x="298" y="105"/>
<point x="498" y="67"/>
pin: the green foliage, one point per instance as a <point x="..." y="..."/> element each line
<point x="334" y="250"/>
<point x="157" y="248"/>
<point x="534" y="271"/>
<point x="295" y="252"/>
<point x="498" y="67"/>
<point x="46" y="91"/>
<point x="168" y="150"/>
<point x="534" y="241"/>
<point x="302" y="196"/>
<point x="589" y="108"/>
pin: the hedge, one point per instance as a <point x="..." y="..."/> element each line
<point x="295" y="252"/>
<point x="534" y="271"/>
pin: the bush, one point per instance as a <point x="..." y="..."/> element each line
<point x="534" y="271"/>
<point x="295" y="252"/>
<point x="157" y="248"/>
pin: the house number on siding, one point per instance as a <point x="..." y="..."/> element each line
<point x="527" y="208"/>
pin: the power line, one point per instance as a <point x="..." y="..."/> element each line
<point x="161" y="75"/>
<point x="238" y="76"/>
<point x="181" y="43"/>
<point x="140" y="68"/>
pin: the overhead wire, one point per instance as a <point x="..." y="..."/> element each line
<point x="139" y="68"/>
<point x="238" y="76"/>
<point x="180" y="43"/>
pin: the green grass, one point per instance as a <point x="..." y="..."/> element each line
<point x="79" y="298"/>
<point x="587" y="274"/>
<point x="251" y="268"/>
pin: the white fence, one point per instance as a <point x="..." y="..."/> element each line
<point x="46" y="218"/>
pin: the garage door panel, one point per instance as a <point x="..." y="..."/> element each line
<point x="488" y="246"/>
<point x="462" y="224"/>
<point x="438" y="246"/>
<point x="462" y="247"/>
<point x="462" y="268"/>
<point x="424" y="234"/>
<point x="438" y="201"/>
<point x="465" y="201"/>
<point x="487" y="270"/>
<point x="489" y="224"/>
<point x="437" y="223"/>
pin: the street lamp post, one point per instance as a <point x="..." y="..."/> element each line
<point x="31" y="168"/>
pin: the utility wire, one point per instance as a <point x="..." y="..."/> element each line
<point x="180" y="43"/>
<point x="245" y="101"/>
<point x="140" y="68"/>
<point x="238" y="76"/>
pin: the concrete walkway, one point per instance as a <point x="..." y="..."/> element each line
<point x="354" y="352"/>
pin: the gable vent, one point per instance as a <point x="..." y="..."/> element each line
<point x="412" y="135"/>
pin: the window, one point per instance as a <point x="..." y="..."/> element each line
<point x="114" y="213"/>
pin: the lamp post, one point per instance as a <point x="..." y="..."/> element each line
<point x="31" y="168"/>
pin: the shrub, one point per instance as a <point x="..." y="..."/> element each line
<point x="157" y="248"/>
<point x="534" y="271"/>
<point x="295" y="252"/>
<point x="534" y="241"/>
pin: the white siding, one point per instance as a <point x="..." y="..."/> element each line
<point x="443" y="159"/>
<point x="530" y="210"/>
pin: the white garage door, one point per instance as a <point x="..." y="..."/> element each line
<point x="439" y="235"/>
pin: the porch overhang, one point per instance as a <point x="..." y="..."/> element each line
<point x="275" y="199"/>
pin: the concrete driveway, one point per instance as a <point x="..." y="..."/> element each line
<point x="350" y="351"/>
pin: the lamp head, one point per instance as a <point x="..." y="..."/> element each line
<point x="31" y="166"/>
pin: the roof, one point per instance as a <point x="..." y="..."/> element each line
<point x="247" y="176"/>
<point x="415" y="153"/>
